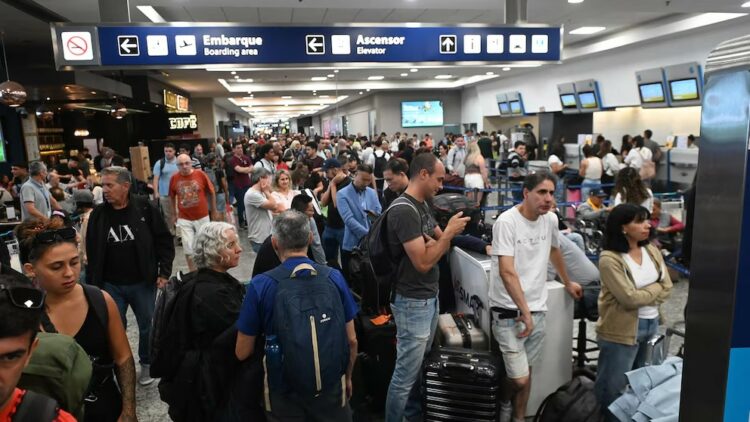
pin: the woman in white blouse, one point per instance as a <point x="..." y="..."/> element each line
<point x="630" y="189"/>
<point x="282" y="191"/>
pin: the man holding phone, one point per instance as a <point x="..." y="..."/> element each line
<point x="357" y="202"/>
<point x="524" y="240"/>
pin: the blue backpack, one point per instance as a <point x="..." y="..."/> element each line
<point x="310" y="325"/>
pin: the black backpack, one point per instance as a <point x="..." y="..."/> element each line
<point x="35" y="407"/>
<point x="379" y="168"/>
<point x="573" y="402"/>
<point x="168" y="337"/>
<point x="374" y="253"/>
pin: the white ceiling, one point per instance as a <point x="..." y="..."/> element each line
<point x="270" y="84"/>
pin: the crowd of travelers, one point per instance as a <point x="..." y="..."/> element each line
<point x="283" y="346"/>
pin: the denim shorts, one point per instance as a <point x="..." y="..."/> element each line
<point x="519" y="354"/>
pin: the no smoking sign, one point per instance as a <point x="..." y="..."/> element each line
<point x="77" y="46"/>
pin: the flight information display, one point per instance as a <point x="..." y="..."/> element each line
<point x="421" y="113"/>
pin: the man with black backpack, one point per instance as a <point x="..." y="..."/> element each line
<point x="306" y="313"/>
<point x="411" y="228"/>
<point x="21" y="309"/>
<point x="381" y="157"/>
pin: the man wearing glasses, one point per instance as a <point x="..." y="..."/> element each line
<point x="21" y="308"/>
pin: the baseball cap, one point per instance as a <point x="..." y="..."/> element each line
<point x="83" y="196"/>
<point x="331" y="163"/>
<point x="598" y="192"/>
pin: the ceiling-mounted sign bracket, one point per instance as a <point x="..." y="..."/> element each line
<point x="193" y="45"/>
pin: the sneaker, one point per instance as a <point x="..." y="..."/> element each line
<point x="145" y="377"/>
<point x="506" y="412"/>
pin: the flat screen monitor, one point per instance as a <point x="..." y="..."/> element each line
<point x="421" y="113"/>
<point x="568" y="101"/>
<point x="588" y="100"/>
<point x="684" y="89"/>
<point x="652" y="92"/>
<point x="515" y="107"/>
<point x="504" y="108"/>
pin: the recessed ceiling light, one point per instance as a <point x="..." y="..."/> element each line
<point x="490" y="73"/>
<point x="414" y="69"/>
<point x="324" y="96"/>
<point x="575" y="1"/>
<point x="249" y="92"/>
<point x="236" y="76"/>
<point x="286" y="105"/>
<point x="375" y="78"/>
<point x="360" y="92"/>
<point x="318" y="78"/>
<point x="336" y="71"/>
<point x="93" y="92"/>
<point x="286" y="97"/>
<point x="587" y="30"/>
<point x="404" y="74"/>
<point x="314" y="93"/>
<point x="323" y="104"/>
<point x="47" y="98"/>
<point x="368" y="89"/>
<point x="443" y="76"/>
<point x="506" y="69"/>
<point x="330" y="75"/>
<point x="234" y="73"/>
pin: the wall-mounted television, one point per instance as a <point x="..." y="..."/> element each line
<point x="421" y="113"/>
<point x="588" y="100"/>
<point x="652" y="92"/>
<point x="515" y="107"/>
<point x="504" y="108"/>
<point x="568" y="101"/>
<point x="684" y="89"/>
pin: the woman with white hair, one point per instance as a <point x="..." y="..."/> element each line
<point x="213" y="309"/>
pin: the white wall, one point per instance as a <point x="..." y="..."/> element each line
<point x="663" y="122"/>
<point x="204" y="110"/>
<point x="388" y="105"/>
<point x="614" y="70"/>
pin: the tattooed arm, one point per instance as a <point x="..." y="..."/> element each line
<point x="124" y="363"/>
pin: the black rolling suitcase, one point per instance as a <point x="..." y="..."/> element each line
<point x="377" y="346"/>
<point x="462" y="385"/>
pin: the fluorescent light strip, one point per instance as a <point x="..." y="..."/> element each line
<point x="587" y="30"/>
<point x="318" y="78"/>
<point x="375" y="78"/>
<point x="443" y="76"/>
<point x="151" y="14"/>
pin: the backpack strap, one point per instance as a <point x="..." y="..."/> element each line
<point x="95" y="297"/>
<point x="161" y="166"/>
<point x="35" y="407"/>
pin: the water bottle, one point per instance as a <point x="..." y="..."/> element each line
<point x="274" y="360"/>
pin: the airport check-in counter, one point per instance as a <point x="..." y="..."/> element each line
<point x="471" y="281"/>
<point x="680" y="167"/>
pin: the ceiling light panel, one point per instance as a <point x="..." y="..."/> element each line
<point x="375" y="78"/>
<point x="587" y="30"/>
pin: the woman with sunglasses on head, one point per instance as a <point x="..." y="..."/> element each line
<point x="50" y="257"/>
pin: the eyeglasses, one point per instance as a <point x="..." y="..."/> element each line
<point x="24" y="297"/>
<point x="51" y="236"/>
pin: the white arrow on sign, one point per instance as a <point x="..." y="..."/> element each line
<point x="127" y="46"/>
<point x="314" y="45"/>
<point x="447" y="43"/>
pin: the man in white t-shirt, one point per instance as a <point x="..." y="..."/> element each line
<point x="524" y="240"/>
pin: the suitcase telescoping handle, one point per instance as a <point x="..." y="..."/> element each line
<point x="454" y="365"/>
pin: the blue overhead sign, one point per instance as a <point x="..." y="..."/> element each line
<point x="165" y="45"/>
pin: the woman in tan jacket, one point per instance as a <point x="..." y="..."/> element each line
<point x="634" y="283"/>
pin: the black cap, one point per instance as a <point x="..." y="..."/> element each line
<point x="331" y="163"/>
<point x="598" y="192"/>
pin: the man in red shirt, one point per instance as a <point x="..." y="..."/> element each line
<point x="192" y="192"/>
<point x="242" y="167"/>
<point x="21" y="307"/>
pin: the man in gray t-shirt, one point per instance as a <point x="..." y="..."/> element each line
<point x="36" y="201"/>
<point x="258" y="206"/>
<point x="412" y="230"/>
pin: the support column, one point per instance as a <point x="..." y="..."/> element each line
<point x="115" y="10"/>
<point x="515" y="11"/>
